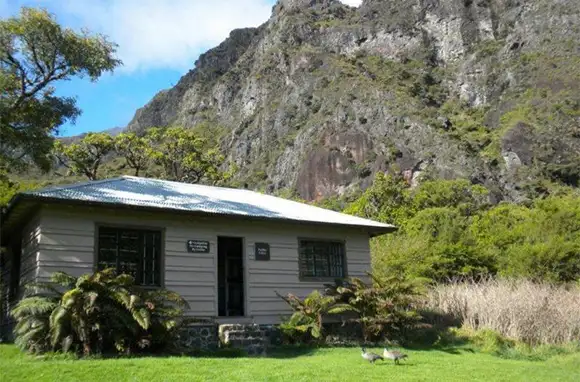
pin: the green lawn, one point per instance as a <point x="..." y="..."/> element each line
<point x="339" y="364"/>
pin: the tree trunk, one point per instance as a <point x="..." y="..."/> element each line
<point x="86" y="348"/>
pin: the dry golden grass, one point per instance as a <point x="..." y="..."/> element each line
<point x="522" y="310"/>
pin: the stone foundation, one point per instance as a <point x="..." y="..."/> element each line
<point x="251" y="338"/>
<point x="256" y="339"/>
<point x="199" y="337"/>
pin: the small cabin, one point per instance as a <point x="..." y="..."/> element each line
<point x="226" y="251"/>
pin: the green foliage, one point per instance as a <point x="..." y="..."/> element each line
<point x="466" y="124"/>
<point x="36" y="52"/>
<point x="186" y="156"/>
<point x="95" y="313"/>
<point x="391" y="200"/>
<point x="541" y="242"/>
<point x="86" y="156"/>
<point x="305" y="324"/>
<point x="447" y="229"/>
<point x="134" y="149"/>
<point x="387" y="200"/>
<point x="385" y="309"/>
<point x="9" y="188"/>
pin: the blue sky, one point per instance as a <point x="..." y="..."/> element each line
<point x="159" y="41"/>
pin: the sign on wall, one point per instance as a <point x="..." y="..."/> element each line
<point x="262" y="251"/>
<point x="198" y="246"/>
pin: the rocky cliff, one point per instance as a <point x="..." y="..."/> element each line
<point x="323" y="95"/>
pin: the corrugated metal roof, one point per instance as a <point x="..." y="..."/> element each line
<point x="155" y="193"/>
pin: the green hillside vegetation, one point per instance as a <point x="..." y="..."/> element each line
<point x="448" y="229"/>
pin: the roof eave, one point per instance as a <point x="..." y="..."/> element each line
<point x="383" y="231"/>
<point x="372" y="230"/>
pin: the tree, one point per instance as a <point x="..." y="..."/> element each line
<point x="86" y="156"/>
<point x="386" y="200"/>
<point x="185" y="156"/>
<point x="135" y="150"/>
<point x="35" y="53"/>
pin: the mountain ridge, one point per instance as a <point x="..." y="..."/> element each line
<point x="323" y="96"/>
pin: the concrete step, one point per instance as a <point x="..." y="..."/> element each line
<point x="248" y="337"/>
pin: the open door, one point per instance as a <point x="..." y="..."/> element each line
<point x="230" y="277"/>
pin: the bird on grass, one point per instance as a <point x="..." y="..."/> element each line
<point x="395" y="355"/>
<point x="371" y="357"/>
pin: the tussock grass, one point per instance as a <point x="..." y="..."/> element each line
<point x="533" y="313"/>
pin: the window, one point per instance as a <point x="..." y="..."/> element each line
<point x="131" y="251"/>
<point x="321" y="259"/>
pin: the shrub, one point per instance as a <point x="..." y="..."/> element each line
<point x="533" y="313"/>
<point x="95" y="313"/>
<point x="385" y="308"/>
<point x="447" y="230"/>
<point x="305" y="323"/>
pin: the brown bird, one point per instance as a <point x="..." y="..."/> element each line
<point x="395" y="355"/>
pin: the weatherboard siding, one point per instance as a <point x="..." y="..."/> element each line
<point x="68" y="240"/>
<point x="30" y="250"/>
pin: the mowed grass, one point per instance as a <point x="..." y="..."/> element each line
<point x="330" y="364"/>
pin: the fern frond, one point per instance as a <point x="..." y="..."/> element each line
<point x="63" y="279"/>
<point x="143" y="317"/>
<point x="82" y="281"/>
<point x="57" y="315"/>
<point x="32" y="306"/>
<point x="124" y="280"/>
<point x="36" y="288"/>
<point x="341" y="308"/>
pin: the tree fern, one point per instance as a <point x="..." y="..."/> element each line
<point x="384" y="307"/>
<point x="310" y="312"/>
<point x="96" y="312"/>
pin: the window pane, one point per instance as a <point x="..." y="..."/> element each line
<point x="321" y="259"/>
<point x="132" y="252"/>
<point x="306" y="260"/>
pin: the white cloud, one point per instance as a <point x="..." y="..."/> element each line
<point x="158" y="33"/>
<point x="163" y="33"/>
<point x="352" y="3"/>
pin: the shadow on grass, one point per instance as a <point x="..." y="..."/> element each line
<point x="276" y="352"/>
<point x="292" y="351"/>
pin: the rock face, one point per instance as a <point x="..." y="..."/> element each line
<point x="322" y="96"/>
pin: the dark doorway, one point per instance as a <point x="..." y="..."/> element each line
<point x="230" y="277"/>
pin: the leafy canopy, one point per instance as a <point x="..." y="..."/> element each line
<point x="134" y="149"/>
<point x="447" y="229"/>
<point x="35" y="53"/>
<point x="185" y="155"/>
<point x="86" y="156"/>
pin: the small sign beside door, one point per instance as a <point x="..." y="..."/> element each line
<point x="262" y="251"/>
<point x="198" y="246"/>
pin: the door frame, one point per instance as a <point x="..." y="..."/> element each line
<point x="245" y="277"/>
